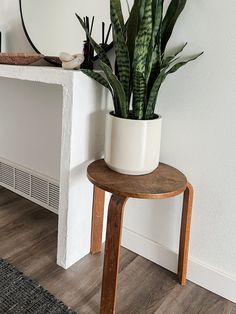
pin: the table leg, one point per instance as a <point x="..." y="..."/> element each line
<point x="97" y="220"/>
<point x="184" y="234"/>
<point x="112" y="252"/>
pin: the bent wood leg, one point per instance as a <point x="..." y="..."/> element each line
<point x="112" y="252"/>
<point x="184" y="234"/>
<point x="97" y="220"/>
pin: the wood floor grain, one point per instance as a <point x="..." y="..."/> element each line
<point x="28" y="236"/>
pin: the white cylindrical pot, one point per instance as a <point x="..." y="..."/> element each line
<point x="132" y="146"/>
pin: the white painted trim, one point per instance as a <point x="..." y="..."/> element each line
<point x="63" y="232"/>
<point x="202" y="274"/>
<point x="212" y="279"/>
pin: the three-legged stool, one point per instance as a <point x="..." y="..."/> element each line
<point x="164" y="182"/>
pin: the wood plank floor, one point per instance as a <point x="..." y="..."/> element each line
<point x="28" y="236"/>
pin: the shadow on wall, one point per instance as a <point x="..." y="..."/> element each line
<point x="154" y="220"/>
<point x="96" y="125"/>
<point x="96" y="134"/>
<point x="10" y="19"/>
<point x="92" y="130"/>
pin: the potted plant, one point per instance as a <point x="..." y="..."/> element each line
<point x="133" y="129"/>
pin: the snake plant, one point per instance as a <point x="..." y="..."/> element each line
<point x="141" y="64"/>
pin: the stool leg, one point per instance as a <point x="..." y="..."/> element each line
<point x="97" y="220"/>
<point x="184" y="234"/>
<point x="112" y="252"/>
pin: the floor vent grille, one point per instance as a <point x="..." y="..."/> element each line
<point x="22" y="181"/>
<point x="39" y="189"/>
<point x="7" y="174"/>
<point x="54" y="194"/>
<point x="31" y="186"/>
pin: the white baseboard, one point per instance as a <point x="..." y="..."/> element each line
<point x="200" y="273"/>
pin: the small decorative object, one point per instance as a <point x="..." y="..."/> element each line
<point x="88" y="48"/>
<point x="104" y="43"/>
<point x="53" y="60"/>
<point x="88" y="55"/>
<point x="71" y="62"/>
<point x="20" y="58"/>
<point x="133" y="130"/>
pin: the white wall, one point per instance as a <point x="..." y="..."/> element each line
<point x="10" y="19"/>
<point x="30" y="125"/>
<point x="198" y="108"/>
<point x="30" y="112"/>
<point x="198" y="105"/>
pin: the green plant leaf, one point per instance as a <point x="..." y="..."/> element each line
<point x="178" y="65"/>
<point x="139" y="100"/>
<point x="156" y="66"/>
<point x="154" y="52"/>
<point x="118" y="90"/>
<point x="157" y="11"/>
<point x="143" y="39"/>
<point x="100" y="51"/>
<point x="173" y="12"/>
<point x="155" y="63"/>
<point x="160" y="79"/>
<point x="171" y="58"/>
<point x="132" y="28"/>
<point x="121" y="49"/>
<point x="116" y="5"/>
<point x="140" y="59"/>
<point x="149" y="112"/>
<point x="142" y="4"/>
<point x="100" y="79"/>
<point x="97" y="77"/>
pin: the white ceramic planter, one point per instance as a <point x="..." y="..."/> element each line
<point x="132" y="146"/>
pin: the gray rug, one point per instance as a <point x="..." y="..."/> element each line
<point x="21" y="295"/>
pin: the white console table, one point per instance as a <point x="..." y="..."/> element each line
<point x="82" y="98"/>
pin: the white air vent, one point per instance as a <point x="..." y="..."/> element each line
<point x="39" y="189"/>
<point x="54" y="194"/>
<point x="22" y="181"/>
<point x="7" y="174"/>
<point x="32" y="186"/>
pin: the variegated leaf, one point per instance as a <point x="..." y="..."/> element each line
<point x="179" y="65"/>
<point x="132" y="28"/>
<point x="154" y="53"/>
<point x="116" y="4"/>
<point x="149" y="112"/>
<point x="173" y="12"/>
<point x="121" y="49"/>
<point x="139" y="100"/>
<point x="97" y="77"/>
<point x="143" y="39"/>
<point x="117" y="88"/>
<point x="171" y="58"/>
<point x="156" y="87"/>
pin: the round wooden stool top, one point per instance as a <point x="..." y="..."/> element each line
<point x="163" y="182"/>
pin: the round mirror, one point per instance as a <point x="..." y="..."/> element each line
<point x="52" y="27"/>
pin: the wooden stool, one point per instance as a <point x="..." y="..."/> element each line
<point x="164" y="182"/>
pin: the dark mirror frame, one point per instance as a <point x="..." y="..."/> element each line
<point x="51" y="59"/>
